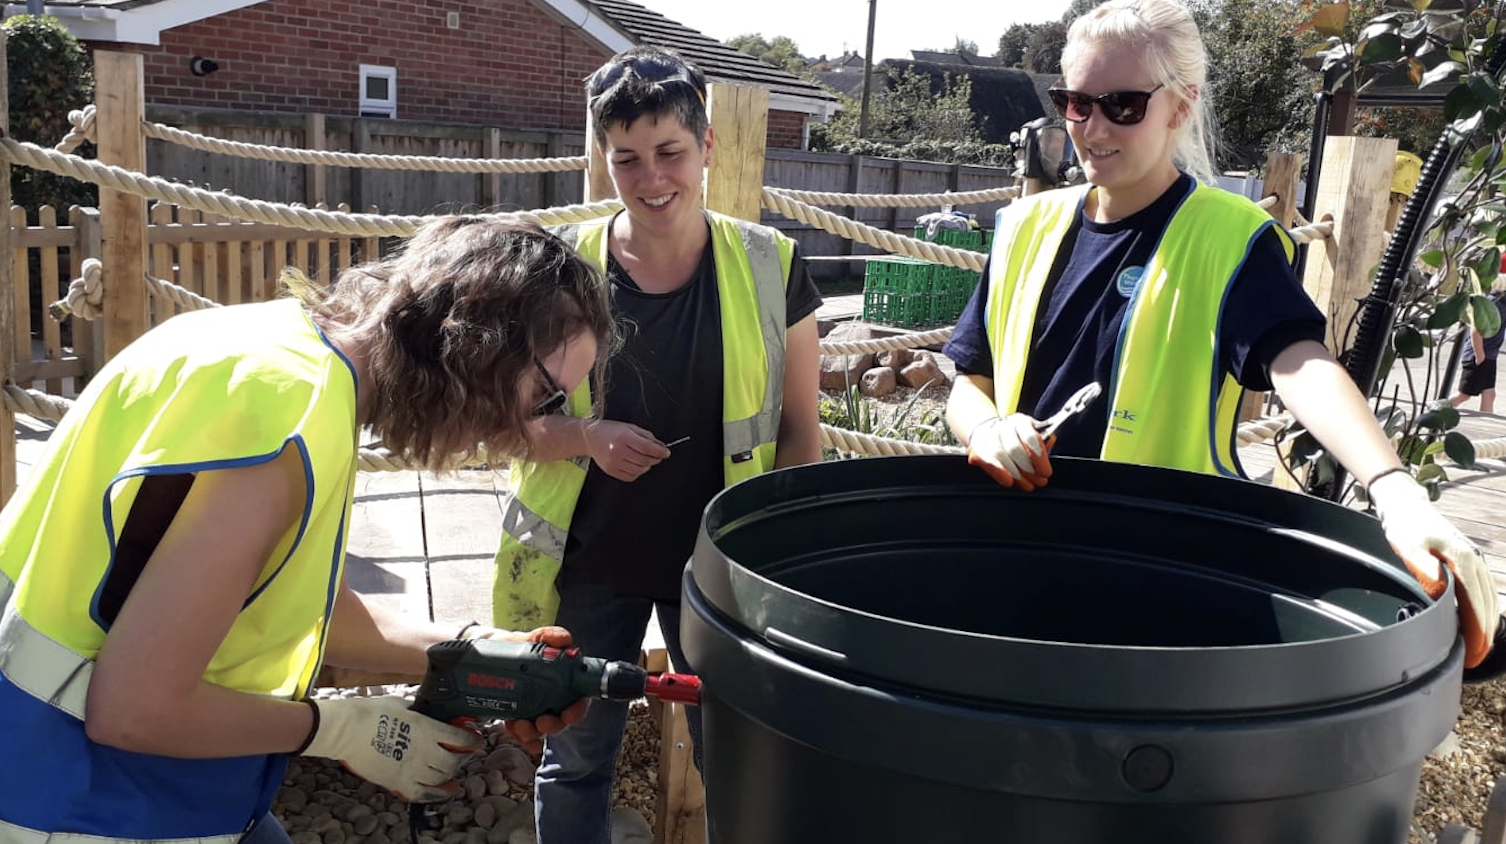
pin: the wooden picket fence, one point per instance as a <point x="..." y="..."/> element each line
<point x="227" y="261"/>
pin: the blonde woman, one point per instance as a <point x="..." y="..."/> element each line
<point x="171" y="572"/>
<point x="1174" y="296"/>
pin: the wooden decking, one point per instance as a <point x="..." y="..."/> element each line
<point x="1475" y="499"/>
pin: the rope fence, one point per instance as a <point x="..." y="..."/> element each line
<point x="873" y="236"/>
<point x="897" y="200"/>
<point x="83" y="120"/>
<point x="260" y="211"/>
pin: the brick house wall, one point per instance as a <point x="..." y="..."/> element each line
<point x="508" y="64"/>
<point x="786" y="129"/>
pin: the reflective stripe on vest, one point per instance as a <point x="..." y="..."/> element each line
<point x="36" y="664"/>
<point x="1168" y="402"/>
<point x="752" y="267"/>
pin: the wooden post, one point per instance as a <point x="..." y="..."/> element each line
<point x="896" y="186"/>
<point x="1283" y="171"/>
<point x="854" y="180"/>
<point x="491" y="183"/>
<point x="598" y="185"/>
<point x="557" y="185"/>
<point x="119" y="97"/>
<point x="740" y="127"/>
<point x="360" y="140"/>
<point x="315" y="182"/>
<point x="7" y="305"/>
<point x="1354" y="192"/>
<point x="88" y="334"/>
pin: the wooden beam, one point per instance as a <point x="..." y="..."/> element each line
<point x="118" y="95"/>
<point x="7" y="306"/>
<point x="599" y="185"/>
<point x="682" y="797"/>
<point x="360" y="181"/>
<point x="315" y="180"/>
<point x="1283" y="176"/>
<point x="556" y="185"/>
<point x="491" y="183"/>
<point x="1353" y="193"/>
<point x="88" y="335"/>
<point x="740" y="137"/>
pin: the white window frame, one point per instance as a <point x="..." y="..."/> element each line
<point x="374" y="107"/>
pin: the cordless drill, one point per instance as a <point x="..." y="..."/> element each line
<point x="474" y="680"/>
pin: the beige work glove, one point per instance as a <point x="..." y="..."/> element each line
<point x="380" y="740"/>
<point x="1011" y="451"/>
<point x="1423" y="538"/>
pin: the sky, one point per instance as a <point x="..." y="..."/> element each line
<point x="830" y="26"/>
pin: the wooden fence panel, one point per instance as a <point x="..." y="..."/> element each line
<point x="21" y="280"/>
<point x="52" y="344"/>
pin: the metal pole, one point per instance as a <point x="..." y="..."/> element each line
<point x="867" y="70"/>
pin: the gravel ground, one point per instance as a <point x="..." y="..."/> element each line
<point x="1456" y="781"/>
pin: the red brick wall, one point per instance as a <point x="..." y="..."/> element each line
<point x="786" y="129"/>
<point x="508" y="64"/>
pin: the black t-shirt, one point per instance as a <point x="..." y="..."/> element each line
<point x="1083" y="309"/>
<point x="667" y="379"/>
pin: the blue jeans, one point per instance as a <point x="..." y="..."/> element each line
<point x="573" y="786"/>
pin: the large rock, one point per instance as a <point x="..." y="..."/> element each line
<point x="879" y="381"/>
<point x="921" y="371"/>
<point x="838" y="371"/>
<point x="896" y="359"/>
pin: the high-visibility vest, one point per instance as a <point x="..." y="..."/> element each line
<point x="752" y="268"/>
<point x="211" y="389"/>
<point x="1168" y="402"/>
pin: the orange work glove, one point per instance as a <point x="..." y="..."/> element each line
<point x="1011" y="451"/>
<point x="1425" y="541"/>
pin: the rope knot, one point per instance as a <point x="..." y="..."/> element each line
<point x="82" y="120"/>
<point x="86" y="294"/>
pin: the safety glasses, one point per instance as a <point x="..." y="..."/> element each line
<point x="1123" y="108"/>
<point x="555" y="400"/>
<point x="654" y="70"/>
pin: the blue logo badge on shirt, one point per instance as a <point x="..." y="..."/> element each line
<point x="1129" y="279"/>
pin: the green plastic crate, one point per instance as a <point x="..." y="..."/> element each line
<point x="971" y="239"/>
<point x="900" y="309"/>
<point x="900" y="275"/>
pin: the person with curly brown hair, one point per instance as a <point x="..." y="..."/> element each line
<point x="171" y="572"/>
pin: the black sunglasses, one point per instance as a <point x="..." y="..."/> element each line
<point x="555" y="400"/>
<point x="1124" y="108"/>
<point x="652" y="69"/>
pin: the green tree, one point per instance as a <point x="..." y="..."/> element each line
<point x="965" y="47"/>
<point x="913" y="116"/>
<point x="1013" y="42"/>
<point x="1261" y="96"/>
<point x="780" y="52"/>
<point x="1043" y="54"/>
<point x="49" y="75"/>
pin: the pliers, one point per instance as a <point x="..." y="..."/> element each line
<point x="1074" y="405"/>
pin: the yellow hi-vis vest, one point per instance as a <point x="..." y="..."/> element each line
<point x="212" y="389"/>
<point x="1170" y="404"/>
<point x="752" y="268"/>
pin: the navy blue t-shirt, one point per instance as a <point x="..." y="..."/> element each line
<point x="1086" y="300"/>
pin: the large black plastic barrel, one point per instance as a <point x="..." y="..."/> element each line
<point x="899" y="650"/>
